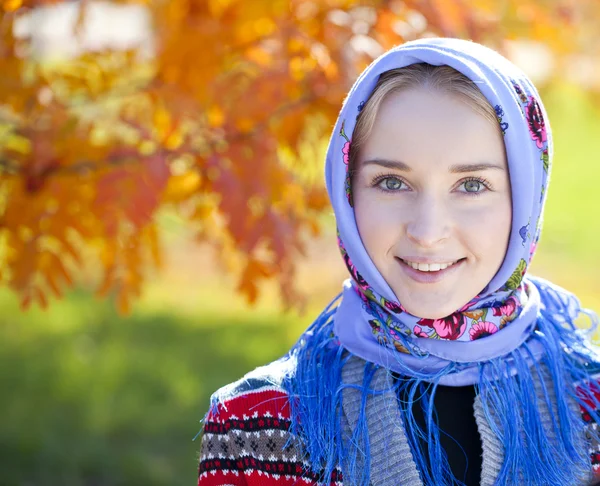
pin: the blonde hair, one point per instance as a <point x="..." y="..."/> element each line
<point x="440" y="78"/>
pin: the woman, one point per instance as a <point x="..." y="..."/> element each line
<point x="443" y="362"/>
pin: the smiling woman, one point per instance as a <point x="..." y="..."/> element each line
<point x="417" y="200"/>
<point x="443" y="361"/>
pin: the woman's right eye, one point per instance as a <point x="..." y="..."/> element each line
<point x="390" y="184"/>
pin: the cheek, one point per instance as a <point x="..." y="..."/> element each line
<point x="487" y="232"/>
<point x="379" y="223"/>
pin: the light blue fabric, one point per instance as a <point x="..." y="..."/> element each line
<point x="529" y="153"/>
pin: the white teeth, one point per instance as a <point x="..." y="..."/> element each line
<point x="429" y="267"/>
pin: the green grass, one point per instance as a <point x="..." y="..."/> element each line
<point x="572" y="223"/>
<point x="90" y="398"/>
<point x="569" y="251"/>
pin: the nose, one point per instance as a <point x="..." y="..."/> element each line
<point x="429" y="223"/>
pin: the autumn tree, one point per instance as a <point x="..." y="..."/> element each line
<point x="208" y="120"/>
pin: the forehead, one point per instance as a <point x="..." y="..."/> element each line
<point x="422" y="124"/>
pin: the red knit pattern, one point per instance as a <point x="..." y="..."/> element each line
<point x="265" y="412"/>
<point x="590" y="401"/>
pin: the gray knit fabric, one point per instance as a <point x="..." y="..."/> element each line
<point x="493" y="453"/>
<point x="392" y="463"/>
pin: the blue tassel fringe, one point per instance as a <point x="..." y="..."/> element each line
<point x="534" y="453"/>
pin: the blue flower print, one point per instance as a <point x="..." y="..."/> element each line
<point x="524" y="232"/>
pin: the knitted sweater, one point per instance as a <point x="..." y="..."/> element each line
<point x="245" y="435"/>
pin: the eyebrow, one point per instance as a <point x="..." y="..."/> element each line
<point x="460" y="168"/>
<point x="455" y="169"/>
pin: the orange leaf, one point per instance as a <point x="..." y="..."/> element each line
<point x="123" y="301"/>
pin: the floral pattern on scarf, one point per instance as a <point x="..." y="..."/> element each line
<point x="536" y="123"/>
<point x="482" y="329"/>
<point x="346" y="154"/>
<point x="499" y="115"/>
<point x="451" y="327"/>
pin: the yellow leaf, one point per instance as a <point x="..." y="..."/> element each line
<point x="147" y="147"/>
<point x="181" y="187"/>
<point x="26" y="301"/>
<point x="218" y="7"/>
<point x="107" y="283"/>
<point x="153" y="242"/>
<point x="18" y="144"/>
<point x="244" y="125"/>
<point x="264" y="26"/>
<point x="41" y="297"/>
<point x="62" y="271"/>
<point x="70" y="249"/>
<point x="52" y="283"/>
<point x="123" y="302"/>
<point x="174" y="140"/>
<point x="215" y="116"/>
<point x="259" y="55"/>
<point x="162" y="121"/>
<point x="12" y="5"/>
<point x="297" y="70"/>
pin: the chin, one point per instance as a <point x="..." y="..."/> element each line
<point x="428" y="311"/>
<point x="431" y="315"/>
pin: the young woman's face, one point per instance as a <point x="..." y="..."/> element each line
<point x="432" y="189"/>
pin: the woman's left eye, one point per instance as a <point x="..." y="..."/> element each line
<point x="390" y="184"/>
<point x="474" y="186"/>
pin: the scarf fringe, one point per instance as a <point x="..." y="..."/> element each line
<point x="535" y="452"/>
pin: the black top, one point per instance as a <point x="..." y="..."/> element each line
<point x="458" y="429"/>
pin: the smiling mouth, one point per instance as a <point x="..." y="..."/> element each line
<point x="430" y="267"/>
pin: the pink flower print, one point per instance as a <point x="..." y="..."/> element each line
<point x="362" y="296"/>
<point x="469" y="304"/>
<point x="482" y="329"/>
<point x="394" y="334"/>
<point x="506" y="309"/>
<point x="536" y="123"/>
<point x="451" y="327"/>
<point x="358" y="278"/>
<point x="346" y="152"/>
<point x="393" y="306"/>
<point x="532" y="249"/>
<point x="418" y="331"/>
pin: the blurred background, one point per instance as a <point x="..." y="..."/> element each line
<point x="163" y="222"/>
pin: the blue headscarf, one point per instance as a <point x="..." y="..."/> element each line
<point x="507" y="298"/>
<point x="529" y="322"/>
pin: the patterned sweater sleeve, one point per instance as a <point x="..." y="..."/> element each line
<point x="592" y="431"/>
<point x="245" y="439"/>
<point x="219" y="453"/>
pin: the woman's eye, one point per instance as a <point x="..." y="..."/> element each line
<point x="473" y="186"/>
<point x="390" y="184"/>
